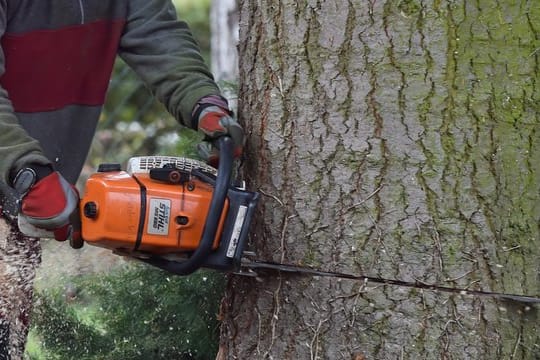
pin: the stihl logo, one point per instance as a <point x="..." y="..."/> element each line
<point x="158" y="216"/>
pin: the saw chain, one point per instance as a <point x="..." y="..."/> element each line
<point x="255" y="267"/>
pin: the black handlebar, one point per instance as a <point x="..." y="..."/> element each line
<point x="217" y="203"/>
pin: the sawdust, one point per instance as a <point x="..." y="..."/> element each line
<point x="60" y="262"/>
<point x="26" y="263"/>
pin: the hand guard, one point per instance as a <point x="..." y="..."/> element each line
<point x="49" y="203"/>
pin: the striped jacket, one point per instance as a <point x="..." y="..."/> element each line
<point x="56" y="61"/>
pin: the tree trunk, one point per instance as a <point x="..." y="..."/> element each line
<point x="398" y="139"/>
<point x="19" y="258"/>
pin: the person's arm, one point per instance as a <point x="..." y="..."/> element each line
<point x="17" y="148"/>
<point x="164" y="54"/>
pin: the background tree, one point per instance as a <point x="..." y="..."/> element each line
<point x="224" y="39"/>
<point x="224" y="42"/>
<point x="397" y="139"/>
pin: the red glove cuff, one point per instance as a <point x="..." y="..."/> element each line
<point x="205" y="102"/>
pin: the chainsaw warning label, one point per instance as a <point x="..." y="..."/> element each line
<point x="159" y="213"/>
<point x="237" y="229"/>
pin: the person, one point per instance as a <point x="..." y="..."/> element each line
<point x="55" y="65"/>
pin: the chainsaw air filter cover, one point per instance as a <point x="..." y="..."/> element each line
<point x="156" y="206"/>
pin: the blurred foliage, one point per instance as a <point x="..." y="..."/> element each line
<point x="137" y="313"/>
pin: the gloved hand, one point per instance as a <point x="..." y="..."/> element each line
<point x="49" y="203"/>
<point x="215" y="121"/>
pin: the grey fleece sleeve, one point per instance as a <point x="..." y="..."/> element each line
<point x="164" y="54"/>
<point x="16" y="146"/>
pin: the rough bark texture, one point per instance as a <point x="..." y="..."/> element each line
<point x="19" y="258"/>
<point x="398" y="139"/>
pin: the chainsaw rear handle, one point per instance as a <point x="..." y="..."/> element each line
<point x="217" y="203"/>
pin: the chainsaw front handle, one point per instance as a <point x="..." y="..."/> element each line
<point x="217" y="204"/>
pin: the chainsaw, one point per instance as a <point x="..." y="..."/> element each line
<point x="180" y="215"/>
<point x="174" y="213"/>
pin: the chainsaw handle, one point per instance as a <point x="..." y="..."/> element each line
<point x="217" y="203"/>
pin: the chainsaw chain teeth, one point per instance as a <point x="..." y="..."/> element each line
<point x="143" y="164"/>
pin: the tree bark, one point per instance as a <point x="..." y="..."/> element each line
<point x="19" y="258"/>
<point x="398" y="139"/>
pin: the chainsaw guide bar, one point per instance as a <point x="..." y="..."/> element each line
<point x="250" y="267"/>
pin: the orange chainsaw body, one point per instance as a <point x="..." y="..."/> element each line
<point x="137" y="213"/>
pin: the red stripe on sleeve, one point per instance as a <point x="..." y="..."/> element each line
<point x="50" y="69"/>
